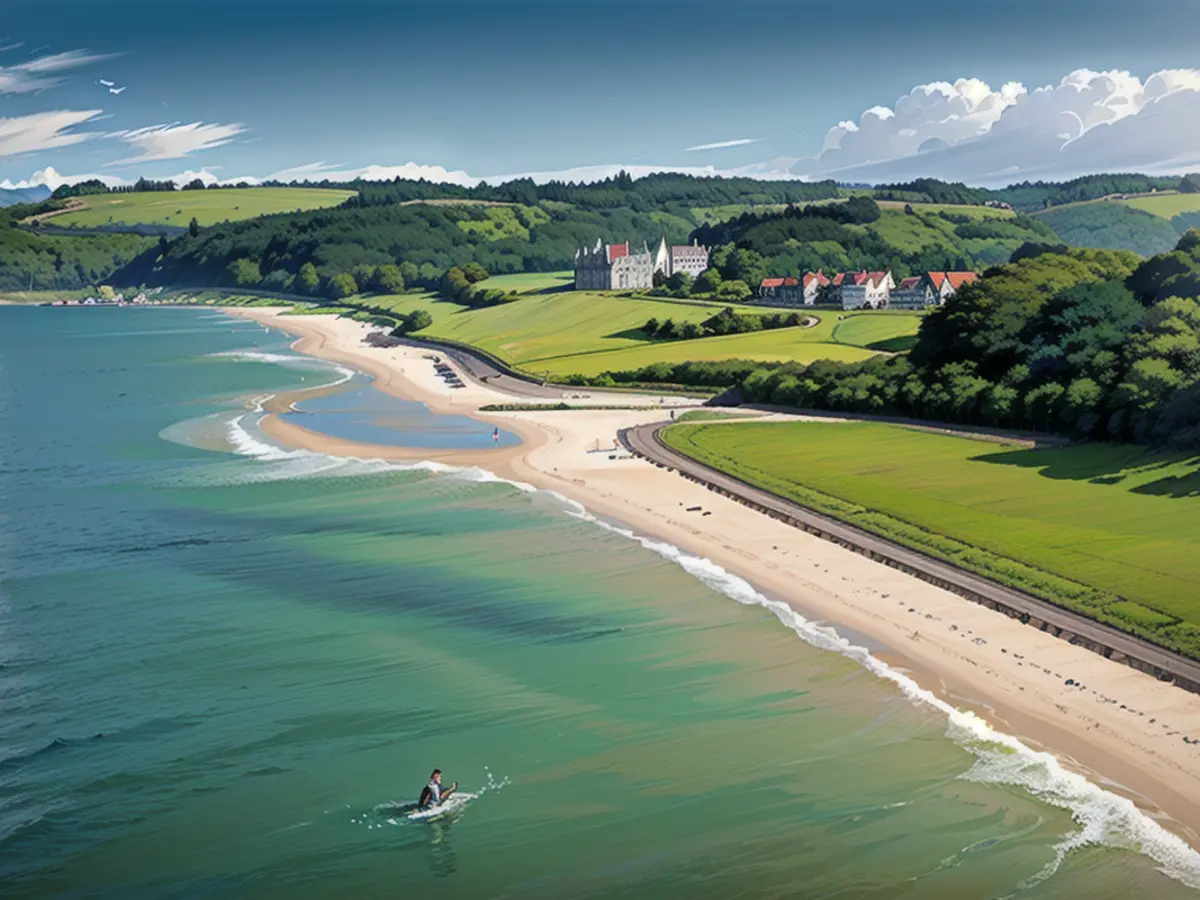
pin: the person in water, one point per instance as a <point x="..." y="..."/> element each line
<point x="433" y="794"/>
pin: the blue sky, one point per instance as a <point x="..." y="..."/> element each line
<point x="494" y="87"/>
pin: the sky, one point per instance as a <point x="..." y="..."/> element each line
<point x="467" y="89"/>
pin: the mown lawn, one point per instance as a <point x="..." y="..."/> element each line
<point x="879" y="331"/>
<point x="777" y="345"/>
<point x="531" y="331"/>
<point x="533" y="282"/>
<point x="207" y="207"/>
<point x="1111" y="531"/>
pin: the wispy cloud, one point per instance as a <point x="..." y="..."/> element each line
<point x="44" y="130"/>
<point x="720" y="145"/>
<point x="42" y="71"/>
<point x="174" y="141"/>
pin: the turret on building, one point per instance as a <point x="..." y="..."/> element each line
<point x="612" y="267"/>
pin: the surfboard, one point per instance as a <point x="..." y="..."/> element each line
<point x="456" y="802"/>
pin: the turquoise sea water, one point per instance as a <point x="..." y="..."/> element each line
<point x="222" y="664"/>
<point x="361" y="413"/>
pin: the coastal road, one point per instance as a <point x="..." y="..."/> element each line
<point x="645" y="441"/>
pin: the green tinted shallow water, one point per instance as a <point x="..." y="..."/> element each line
<point x="214" y="669"/>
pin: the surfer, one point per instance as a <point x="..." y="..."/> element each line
<point x="433" y="795"/>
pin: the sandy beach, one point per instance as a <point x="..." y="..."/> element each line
<point x="1123" y="729"/>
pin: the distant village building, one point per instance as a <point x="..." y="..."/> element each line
<point x="690" y="258"/>
<point x="612" y="267"/>
<point x="865" y="290"/>
<point x="813" y="282"/>
<point x="929" y="289"/>
<point x="780" y="292"/>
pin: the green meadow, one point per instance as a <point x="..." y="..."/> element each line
<point x="208" y="207"/>
<point x="890" y="331"/>
<point x="1166" y="206"/>
<point x="1108" y="530"/>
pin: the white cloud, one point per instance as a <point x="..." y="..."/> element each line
<point x="1088" y="122"/>
<point x="720" y="145"/>
<point x="49" y="177"/>
<point x="322" y="171"/>
<point x="44" y="130"/>
<point x="174" y="141"/>
<point x="40" y="72"/>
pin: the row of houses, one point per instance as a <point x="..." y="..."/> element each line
<point x="615" y="267"/>
<point x="863" y="290"/>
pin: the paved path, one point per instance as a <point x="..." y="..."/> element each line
<point x="645" y="441"/>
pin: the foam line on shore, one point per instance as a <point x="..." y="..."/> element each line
<point x="292" y="361"/>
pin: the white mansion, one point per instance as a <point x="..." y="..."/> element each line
<point x="614" y="267"/>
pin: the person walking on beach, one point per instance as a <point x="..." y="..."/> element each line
<point x="433" y="795"/>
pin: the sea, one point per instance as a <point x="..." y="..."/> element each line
<point x="227" y="669"/>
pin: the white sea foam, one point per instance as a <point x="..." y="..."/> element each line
<point x="304" y="363"/>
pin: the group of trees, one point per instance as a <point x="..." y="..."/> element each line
<point x="1031" y="196"/>
<point x="1111" y="226"/>
<point x="653" y="193"/>
<point x="725" y="322"/>
<point x="465" y="285"/>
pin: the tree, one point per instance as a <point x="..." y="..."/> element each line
<point x="680" y="283"/>
<point x="417" y="320"/>
<point x="1082" y="409"/>
<point x="410" y="272"/>
<point x="1041" y="405"/>
<point x="707" y="282"/>
<point x="245" y="272"/>
<point x="307" y="279"/>
<point x="342" y="285"/>
<point x="735" y="291"/>
<point x="690" y="331"/>
<point x="651" y="327"/>
<point x="388" y="280"/>
<point x="474" y="273"/>
<point x="193" y="228"/>
<point x="194" y="185"/>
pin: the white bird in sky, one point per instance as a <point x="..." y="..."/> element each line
<point x="115" y="90"/>
<point x="107" y="83"/>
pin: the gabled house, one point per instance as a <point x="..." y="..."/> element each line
<point x="780" y="292"/>
<point x="691" y="258"/>
<point x="930" y="289"/>
<point x="865" y="290"/>
<point x="813" y="282"/>
<point x="946" y="284"/>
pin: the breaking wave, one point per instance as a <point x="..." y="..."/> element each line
<point x="302" y="363"/>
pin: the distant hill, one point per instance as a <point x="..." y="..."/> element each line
<point x="1111" y="225"/>
<point x="15" y="196"/>
<point x="208" y="207"/>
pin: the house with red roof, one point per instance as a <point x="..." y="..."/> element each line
<point x="929" y="289"/>
<point x="780" y="292"/>
<point x="865" y="290"/>
<point x="813" y="282"/>
<point x="613" y="267"/>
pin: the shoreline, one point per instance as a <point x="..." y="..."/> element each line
<point x="969" y="657"/>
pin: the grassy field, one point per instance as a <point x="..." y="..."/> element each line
<point x="890" y="331"/>
<point x="580" y="333"/>
<point x="777" y="345"/>
<point x="208" y="207"/>
<point x="1107" y="530"/>
<point x="1166" y="206"/>
<point x="533" y="282"/>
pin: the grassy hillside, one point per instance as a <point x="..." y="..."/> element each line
<point x="1107" y="530"/>
<point x="1111" y="225"/>
<point x="885" y="331"/>
<point x="208" y="207"/>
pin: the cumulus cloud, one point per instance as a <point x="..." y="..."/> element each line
<point x="44" y="130"/>
<point x="1088" y="122"/>
<point x="41" y="72"/>
<point x="720" y="145"/>
<point x="174" y="141"/>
